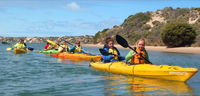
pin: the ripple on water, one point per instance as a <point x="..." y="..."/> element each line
<point x="42" y="75"/>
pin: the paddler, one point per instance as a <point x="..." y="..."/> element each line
<point x="63" y="47"/>
<point x="47" y="46"/>
<point x="20" y="45"/>
<point x="136" y="58"/>
<point x="77" y="48"/>
<point x="113" y="53"/>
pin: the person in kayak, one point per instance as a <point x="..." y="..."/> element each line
<point x="77" y="48"/>
<point x="136" y="58"/>
<point x="63" y="47"/>
<point x="20" y="45"/>
<point x="47" y="46"/>
<point x="113" y="52"/>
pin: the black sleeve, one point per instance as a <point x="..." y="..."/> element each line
<point x="25" y="44"/>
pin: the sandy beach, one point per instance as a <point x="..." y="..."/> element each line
<point x="190" y="50"/>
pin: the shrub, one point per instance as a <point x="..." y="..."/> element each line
<point x="178" y="35"/>
<point x="137" y="19"/>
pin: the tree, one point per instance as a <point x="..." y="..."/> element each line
<point x="178" y="35"/>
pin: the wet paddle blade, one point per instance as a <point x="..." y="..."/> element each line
<point x="121" y="41"/>
<point x="31" y="49"/>
<point x="8" y="49"/>
<point x="52" y="42"/>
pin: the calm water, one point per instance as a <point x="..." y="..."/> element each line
<point x="35" y="74"/>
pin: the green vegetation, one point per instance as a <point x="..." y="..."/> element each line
<point x="178" y="35"/>
<point x="137" y="19"/>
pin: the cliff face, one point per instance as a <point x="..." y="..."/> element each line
<point x="149" y="24"/>
<point x="72" y="39"/>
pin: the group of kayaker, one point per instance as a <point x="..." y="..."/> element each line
<point x="132" y="57"/>
<point x="63" y="47"/>
<point x="113" y="54"/>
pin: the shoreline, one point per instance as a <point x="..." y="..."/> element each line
<point x="185" y="50"/>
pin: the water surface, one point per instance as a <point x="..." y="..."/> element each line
<point x="35" y="74"/>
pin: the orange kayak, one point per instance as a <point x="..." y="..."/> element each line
<point x="77" y="56"/>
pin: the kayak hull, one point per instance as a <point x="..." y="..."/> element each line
<point x="48" y="51"/>
<point x="166" y="72"/>
<point x="77" y="56"/>
<point x="20" y="51"/>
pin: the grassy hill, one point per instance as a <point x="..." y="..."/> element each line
<point x="148" y="25"/>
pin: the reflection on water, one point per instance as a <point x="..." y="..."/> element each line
<point x="137" y="86"/>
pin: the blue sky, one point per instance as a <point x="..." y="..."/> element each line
<point x="73" y="17"/>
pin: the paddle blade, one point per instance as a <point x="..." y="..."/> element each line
<point x="69" y="43"/>
<point x="8" y="49"/>
<point x="121" y="41"/>
<point x="52" y="42"/>
<point x="31" y="49"/>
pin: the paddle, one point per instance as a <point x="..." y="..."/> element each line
<point x="8" y="49"/>
<point x="5" y="43"/>
<point x="31" y="49"/>
<point x="121" y="41"/>
<point x="52" y="42"/>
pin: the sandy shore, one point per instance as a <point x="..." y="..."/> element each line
<point x="191" y="50"/>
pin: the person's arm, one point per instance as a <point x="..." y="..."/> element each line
<point x="129" y="56"/>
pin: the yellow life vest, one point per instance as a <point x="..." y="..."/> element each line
<point x="78" y="49"/>
<point x="19" y="46"/>
<point x="137" y="58"/>
<point x="113" y="51"/>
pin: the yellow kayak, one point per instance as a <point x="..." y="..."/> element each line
<point x="166" y="72"/>
<point x="20" y="51"/>
<point x="77" y="56"/>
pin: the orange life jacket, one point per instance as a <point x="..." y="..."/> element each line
<point x="137" y="58"/>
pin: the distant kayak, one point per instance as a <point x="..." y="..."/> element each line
<point x="20" y="51"/>
<point x="166" y="72"/>
<point x="48" y="51"/>
<point x="77" y="56"/>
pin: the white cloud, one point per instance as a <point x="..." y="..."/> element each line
<point x="73" y="6"/>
